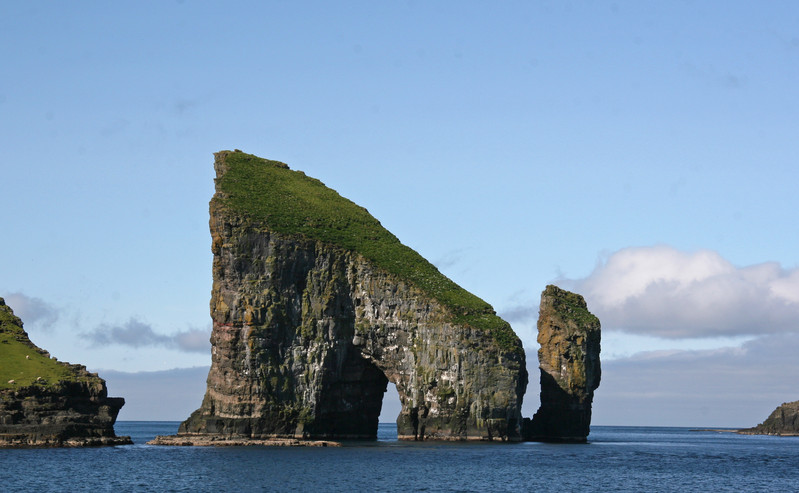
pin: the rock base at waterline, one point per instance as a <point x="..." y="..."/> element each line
<point x="217" y="441"/>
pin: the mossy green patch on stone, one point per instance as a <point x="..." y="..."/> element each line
<point x="574" y="304"/>
<point x="289" y="202"/>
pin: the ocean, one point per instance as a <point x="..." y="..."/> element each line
<point x="615" y="459"/>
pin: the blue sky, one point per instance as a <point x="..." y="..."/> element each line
<point x="643" y="154"/>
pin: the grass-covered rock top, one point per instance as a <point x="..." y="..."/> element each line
<point x="293" y="204"/>
<point x="21" y="362"/>
<point x="572" y="303"/>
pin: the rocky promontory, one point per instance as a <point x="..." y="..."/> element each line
<point x="570" y="369"/>
<point x="47" y="403"/>
<point x="783" y="421"/>
<point x="316" y="308"/>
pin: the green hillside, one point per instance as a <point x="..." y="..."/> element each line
<point x="20" y="360"/>
<point x="292" y="203"/>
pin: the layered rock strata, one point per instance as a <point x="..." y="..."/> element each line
<point x="316" y="308"/>
<point x="782" y="421"/>
<point x="569" y="336"/>
<point x="47" y="403"/>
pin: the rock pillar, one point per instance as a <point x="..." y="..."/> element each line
<point x="570" y="370"/>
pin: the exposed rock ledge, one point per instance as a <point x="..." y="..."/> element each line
<point x="47" y="403"/>
<point x="783" y="421"/>
<point x="207" y="440"/>
<point x="33" y="440"/>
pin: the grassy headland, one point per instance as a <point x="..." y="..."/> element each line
<point x="291" y="203"/>
<point x="21" y="361"/>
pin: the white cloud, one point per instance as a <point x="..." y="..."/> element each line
<point x="135" y="333"/>
<point x="34" y="312"/>
<point x="669" y="293"/>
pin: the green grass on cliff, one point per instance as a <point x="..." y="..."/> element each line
<point x="14" y="347"/>
<point x="574" y="304"/>
<point x="292" y="203"/>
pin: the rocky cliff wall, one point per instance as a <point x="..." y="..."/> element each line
<point x="307" y="334"/>
<point x="46" y="403"/>
<point x="569" y="364"/>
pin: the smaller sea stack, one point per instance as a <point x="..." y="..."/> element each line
<point x="570" y="370"/>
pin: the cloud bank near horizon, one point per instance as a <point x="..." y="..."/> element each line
<point x="735" y="387"/>
<point x="168" y="395"/>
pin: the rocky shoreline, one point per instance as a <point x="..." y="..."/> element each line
<point x="206" y="440"/>
<point x="11" y="440"/>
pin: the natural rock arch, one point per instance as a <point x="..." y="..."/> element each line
<point x="307" y="333"/>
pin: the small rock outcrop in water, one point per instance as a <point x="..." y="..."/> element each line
<point x="570" y="370"/>
<point x="46" y="403"/>
<point x="783" y="421"/>
<point x="316" y="308"/>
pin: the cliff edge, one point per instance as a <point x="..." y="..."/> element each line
<point x="316" y="308"/>
<point x="47" y="403"/>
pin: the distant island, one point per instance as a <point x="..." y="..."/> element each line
<point x="783" y="421"/>
<point x="316" y="308"/>
<point x="48" y="403"/>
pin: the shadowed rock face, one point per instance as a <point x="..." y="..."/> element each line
<point x="307" y="334"/>
<point x="71" y="408"/>
<point x="570" y="370"/>
<point x="783" y="421"/>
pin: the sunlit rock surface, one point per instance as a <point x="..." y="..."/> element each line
<point x="570" y="369"/>
<point x="316" y="308"/>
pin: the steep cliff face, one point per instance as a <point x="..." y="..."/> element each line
<point x="783" y="421"/>
<point x="570" y="370"/>
<point x="46" y="403"/>
<point x="316" y="308"/>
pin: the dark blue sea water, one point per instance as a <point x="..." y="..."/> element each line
<point x="616" y="459"/>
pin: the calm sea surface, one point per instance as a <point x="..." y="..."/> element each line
<point x="616" y="459"/>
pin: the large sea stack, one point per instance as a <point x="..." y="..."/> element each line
<point x="316" y="308"/>
<point x="569" y="336"/>
<point x="47" y="403"/>
<point x="783" y="421"/>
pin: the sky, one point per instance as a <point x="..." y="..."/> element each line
<point x="640" y="153"/>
